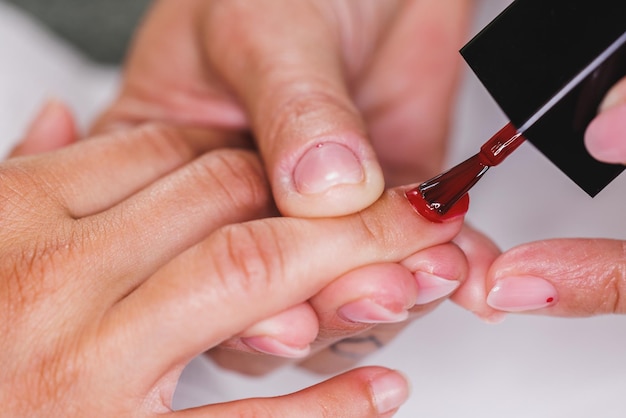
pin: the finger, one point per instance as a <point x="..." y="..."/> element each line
<point x="564" y="277"/>
<point x="185" y="92"/>
<point x="103" y="171"/>
<point x="365" y="392"/>
<point x="350" y="305"/>
<point x="265" y="266"/>
<point x="270" y="343"/>
<point x="289" y="73"/>
<point x="53" y="128"/>
<point x="604" y="137"/>
<point x="419" y="65"/>
<point x="365" y="309"/>
<point x="481" y="252"/>
<point x="170" y="217"/>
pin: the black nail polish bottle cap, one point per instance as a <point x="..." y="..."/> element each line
<point x="548" y="65"/>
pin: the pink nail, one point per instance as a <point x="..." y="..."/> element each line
<point x="522" y="293"/>
<point x="326" y="165"/>
<point x="269" y="345"/>
<point x="431" y="287"/>
<point x="390" y="391"/>
<point x="366" y="311"/>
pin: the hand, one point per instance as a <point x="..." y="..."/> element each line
<point x="230" y="65"/>
<point x="112" y="289"/>
<point x="567" y="277"/>
<point x="330" y="90"/>
<point x="383" y="293"/>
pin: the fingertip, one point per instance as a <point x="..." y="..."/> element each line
<point x="604" y="137"/>
<point x="390" y="390"/>
<point x="54" y="127"/>
<point x="438" y="271"/>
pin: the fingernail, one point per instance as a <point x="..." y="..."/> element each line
<point x="522" y="293"/>
<point x="367" y="311"/>
<point x="390" y="390"/>
<point x="431" y="287"/>
<point x="269" y="345"/>
<point x="419" y="204"/>
<point x="326" y="165"/>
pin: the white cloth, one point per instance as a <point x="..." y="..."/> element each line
<point x="525" y="367"/>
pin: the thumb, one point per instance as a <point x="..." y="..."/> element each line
<point x="561" y="277"/>
<point x="605" y="136"/>
<point x="290" y="77"/>
<point x="54" y="127"/>
<point x="366" y="392"/>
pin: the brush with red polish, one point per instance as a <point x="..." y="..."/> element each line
<point x="445" y="196"/>
<point x="550" y="85"/>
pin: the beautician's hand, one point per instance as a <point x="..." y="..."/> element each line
<point x="562" y="277"/>
<point x="331" y="90"/>
<point x="118" y="266"/>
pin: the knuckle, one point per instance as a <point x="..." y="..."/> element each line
<point x="600" y="277"/>
<point x="373" y="230"/>
<point x="250" y="257"/>
<point x="164" y="142"/>
<point x="615" y="283"/>
<point x="236" y="176"/>
<point x="300" y="104"/>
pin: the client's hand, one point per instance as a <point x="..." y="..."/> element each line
<point x="123" y="257"/>
<point x="331" y="92"/>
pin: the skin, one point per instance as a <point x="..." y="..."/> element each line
<point x="586" y="277"/>
<point x="306" y="73"/>
<point x="110" y="288"/>
<point x="309" y="73"/>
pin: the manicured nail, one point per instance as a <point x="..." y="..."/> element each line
<point x="326" y="165"/>
<point x="431" y="287"/>
<point x="269" y="345"/>
<point x="367" y="311"/>
<point x="421" y="206"/>
<point x="522" y="293"/>
<point x="390" y="390"/>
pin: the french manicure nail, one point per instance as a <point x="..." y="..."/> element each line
<point x="522" y="293"/>
<point x="390" y="390"/>
<point x="269" y="345"/>
<point x="326" y="165"/>
<point x="367" y="311"/>
<point x="432" y="287"/>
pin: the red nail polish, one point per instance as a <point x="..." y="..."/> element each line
<point x="445" y="196"/>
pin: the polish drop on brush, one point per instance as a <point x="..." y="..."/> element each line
<point x="444" y="196"/>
